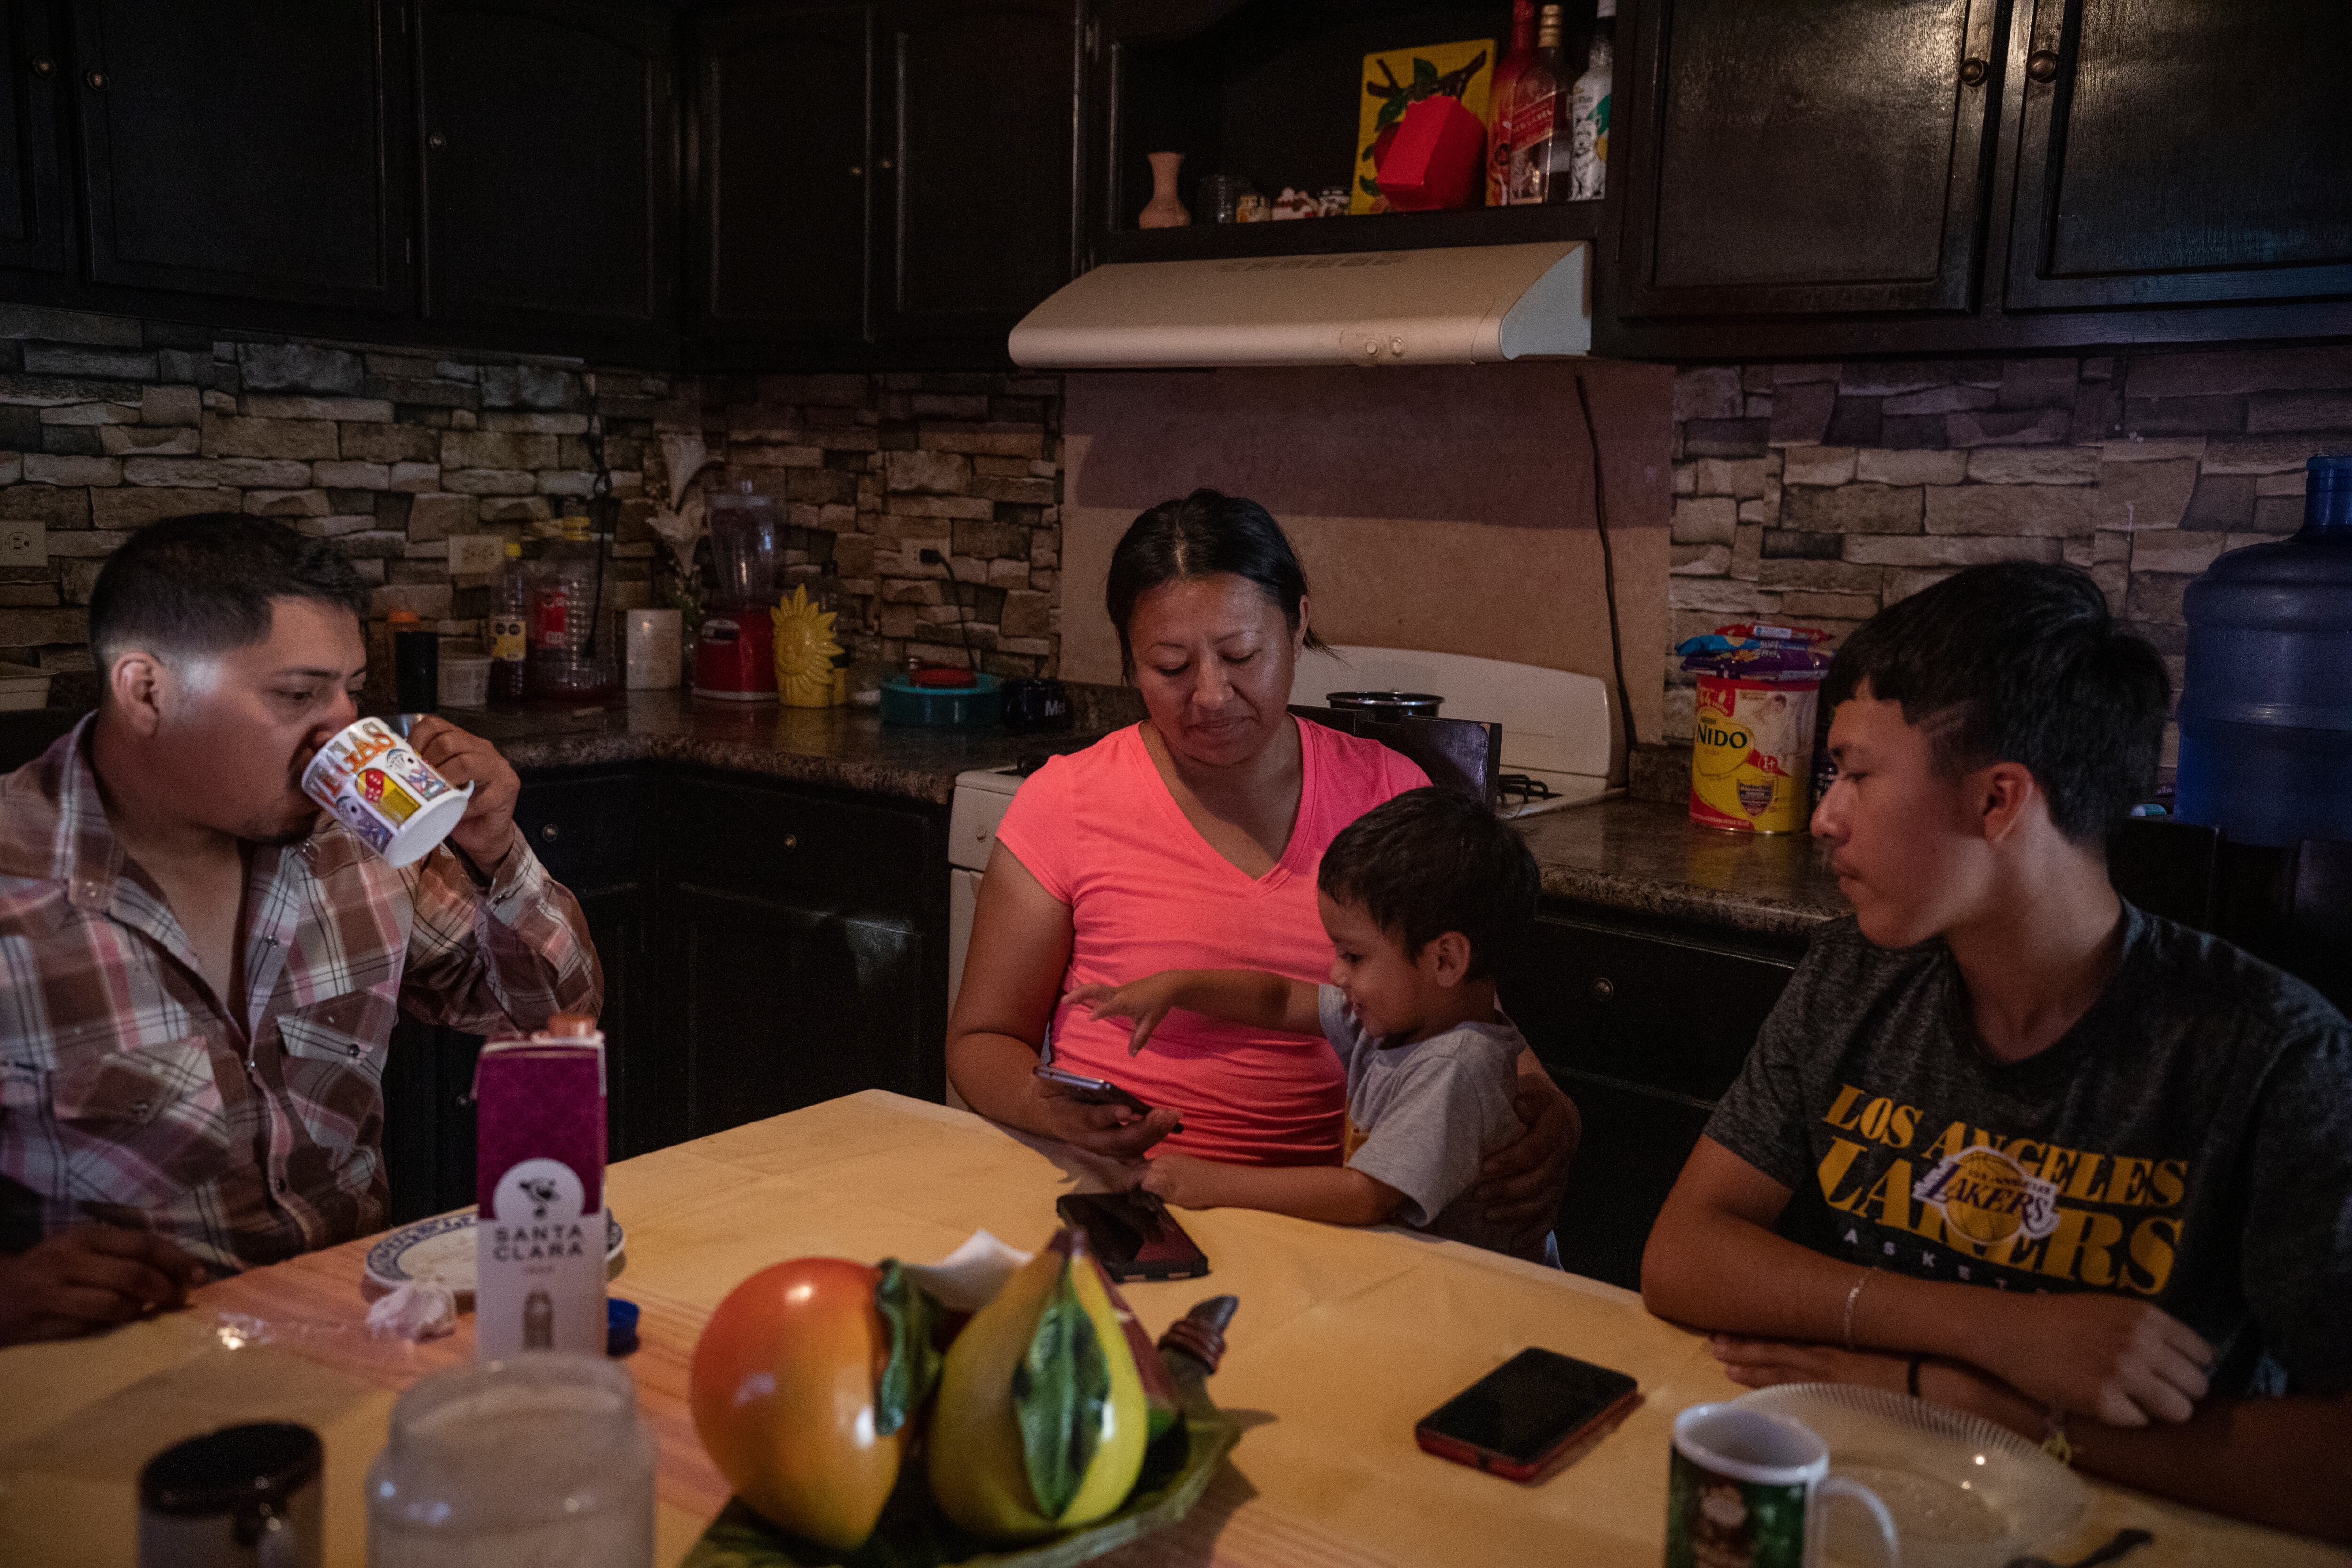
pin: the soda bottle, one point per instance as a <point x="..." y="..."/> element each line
<point x="510" y="630"/>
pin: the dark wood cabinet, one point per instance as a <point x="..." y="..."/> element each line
<point x="765" y="947"/>
<point x="1807" y="157"/>
<point x="1644" y="1029"/>
<point x="242" y="149"/>
<point x="31" y="69"/>
<point x="785" y="173"/>
<point x="549" y="148"/>
<point x="803" y="944"/>
<point x="2174" y="153"/>
<point x="979" y="164"/>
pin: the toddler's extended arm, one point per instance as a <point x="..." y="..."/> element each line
<point x="1248" y="996"/>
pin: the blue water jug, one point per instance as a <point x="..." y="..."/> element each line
<point x="2266" y="701"/>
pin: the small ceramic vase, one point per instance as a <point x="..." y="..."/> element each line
<point x="1164" y="211"/>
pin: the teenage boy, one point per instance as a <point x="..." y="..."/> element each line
<point x="199" y="971"/>
<point x="1419" y="896"/>
<point x="2008" y="1141"/>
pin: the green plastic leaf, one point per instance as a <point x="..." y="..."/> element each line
<point x="912" y="1316"/>
<point x="1423" y="73"/>
<point x="1059" y="1393"/>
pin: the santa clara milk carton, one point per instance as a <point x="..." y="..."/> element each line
<point x="539" y="1236"/>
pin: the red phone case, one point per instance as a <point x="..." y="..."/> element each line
<point x="1509" y="1469"/>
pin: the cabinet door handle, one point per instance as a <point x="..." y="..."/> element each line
<point x="1973" y="72"/>
<point x="44" y="66"/>
<point x="857" y="170"/>
<point x="1605" y="989"/>
<point x="436" y="142"/>
<point x="887" y="165"/>
<point x="96" y="80"/>
<point x="550" y="834"/>
<point x="791" y="840"/>
<point x="2042" y="66"/>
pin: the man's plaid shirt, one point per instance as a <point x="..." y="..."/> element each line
<point x="130" y="1094"/>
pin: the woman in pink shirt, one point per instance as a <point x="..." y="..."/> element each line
<point x="1191" y="841"/>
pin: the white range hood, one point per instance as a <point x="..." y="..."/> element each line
<point x="1467" y="305"/>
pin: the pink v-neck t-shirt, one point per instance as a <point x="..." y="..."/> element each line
<point x="1100" y="832"/>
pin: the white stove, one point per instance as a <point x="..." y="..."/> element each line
<point x="1555" y="732"/>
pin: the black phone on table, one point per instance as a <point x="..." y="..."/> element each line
<point x="1134" y="1236"/>
<point x="1526" y="1413"/>
<point x="1091" y="1090"/>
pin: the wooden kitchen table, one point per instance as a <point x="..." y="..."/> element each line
<point x="1343" y="1339"/>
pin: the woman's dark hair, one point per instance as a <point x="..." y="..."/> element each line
<point x="202" y="584"/>
<point x="1434" y="860"/>
<point x="2021" y="662"/>
<point x="1205" y="534"/>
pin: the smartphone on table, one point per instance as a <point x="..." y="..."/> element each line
<point x="1091" y="1090"/>
<point x="1526" y="1413"/>
<point x="1134" y="1236"/>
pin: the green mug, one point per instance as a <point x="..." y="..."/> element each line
<point x="1746" y="1490"/>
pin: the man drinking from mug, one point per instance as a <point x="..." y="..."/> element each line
<point x="199" y="969"/>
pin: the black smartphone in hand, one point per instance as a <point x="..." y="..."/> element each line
<point x="1526" y="1413"/>
<point x="1134" y="1236"/>
<point x="1090" y="1090"/>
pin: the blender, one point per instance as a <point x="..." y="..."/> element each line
<point x="734" y="653"/>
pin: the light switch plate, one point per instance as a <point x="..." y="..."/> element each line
<point x="24" y="544"/>
<point x="474" y="554"/>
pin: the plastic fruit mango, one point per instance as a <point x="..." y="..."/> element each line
<point x="782" y="1390"/>
<point x="1041" y="1385"/>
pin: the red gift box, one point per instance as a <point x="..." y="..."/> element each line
<point x="1438" y="158"/>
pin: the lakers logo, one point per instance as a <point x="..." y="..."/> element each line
<point x="1987" y="1197"/>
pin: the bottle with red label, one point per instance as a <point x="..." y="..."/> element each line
<point x="1537" y="141"/>
<point x="1498" y="100"/>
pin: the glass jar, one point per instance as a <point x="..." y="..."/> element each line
<point x="535" y="1462"/>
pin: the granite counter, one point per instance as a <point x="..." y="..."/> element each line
<point x="1620" y="854"/>
<point x="1652" y="859"/>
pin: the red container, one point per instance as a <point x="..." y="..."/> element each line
<point x="1438" y="159"/>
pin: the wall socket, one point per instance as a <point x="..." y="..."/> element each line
<point x="476" y="555"/>
<point x="24" y="545"/>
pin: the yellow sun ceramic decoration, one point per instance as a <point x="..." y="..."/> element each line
<point x="805" y="652"/>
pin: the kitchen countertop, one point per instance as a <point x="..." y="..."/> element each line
<point x="841" y="748"/>
<point x="1649" y="859"/>
<point x="1621" y="854"/>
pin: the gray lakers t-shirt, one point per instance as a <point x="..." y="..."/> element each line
<point x="2187" y="1143"/>
<point x="1428" y="1114"/>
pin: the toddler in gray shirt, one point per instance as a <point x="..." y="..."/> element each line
<point x="1419" y="896"/>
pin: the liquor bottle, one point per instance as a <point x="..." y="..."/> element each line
<point x="1498" y="100"/>
<point x="510" y="630"/>
<point x="1536" y="115"/>
<point x="1587" y="112"/>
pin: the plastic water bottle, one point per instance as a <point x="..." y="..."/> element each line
<point x="2266" y="698"/>
<point x="510" y="630"/>
<point x="569" y="658"/>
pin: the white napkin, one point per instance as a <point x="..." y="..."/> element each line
<point x="419" y="1310"/>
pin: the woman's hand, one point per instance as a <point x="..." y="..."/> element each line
<point x="1115" y="1132"/>
<point x="1521" y="1185"/>
<point x="1146" y="1001"/>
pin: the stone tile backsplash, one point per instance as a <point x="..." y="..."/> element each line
<point x="1819" y="493"/>
<point x="108" y="423"/>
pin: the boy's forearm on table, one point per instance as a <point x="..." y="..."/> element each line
<point x="1726" y="1274"/>
<point x="1333" y="1194"/>
<point x="2280" y="1462"/>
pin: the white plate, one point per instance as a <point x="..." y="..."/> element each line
<point x="442" y="1249"/>
<point x="1963" y="1491"/>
